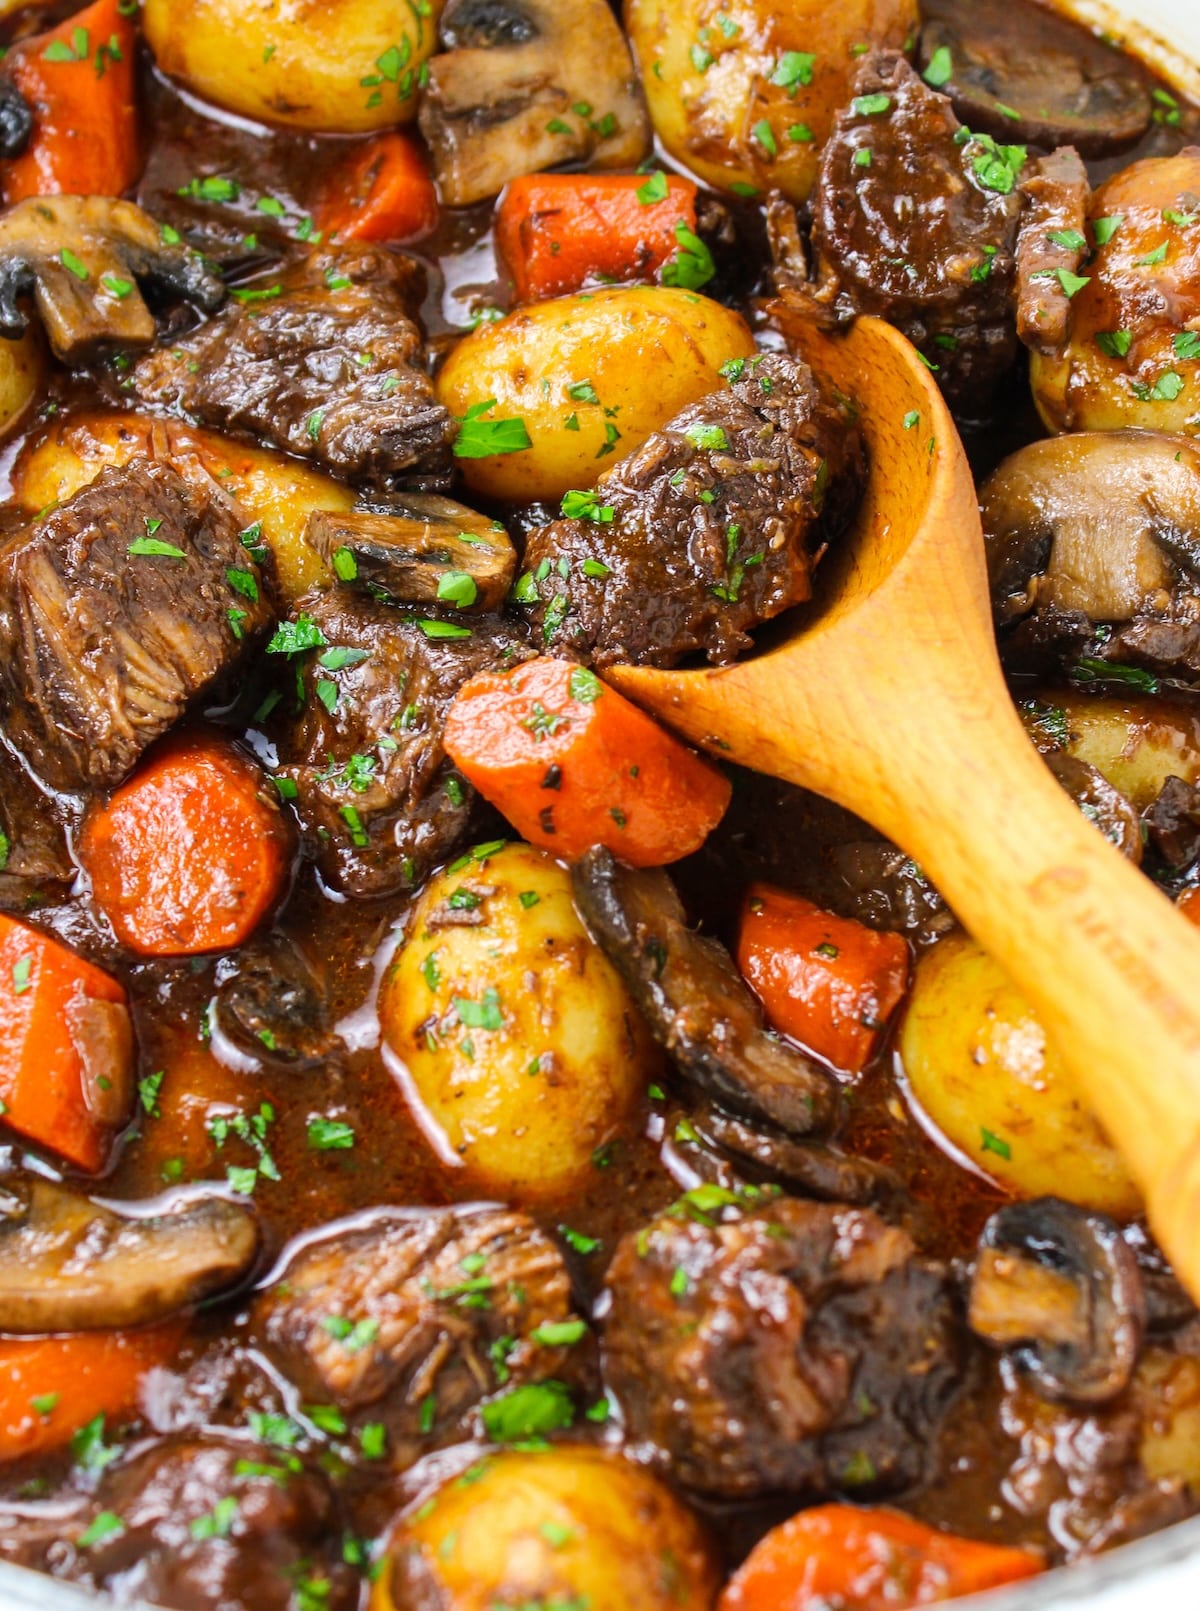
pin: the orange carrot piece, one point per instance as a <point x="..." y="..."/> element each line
<point x="64" y="1029"/>
<point x="382" y="192"/>
<point x="1189" y="904"/>
<point x="867" y="1560"/>
<point x="79" y="78"/>
<point x="826" y="981"/>
<point x="50" y="1387"/>
<point x="190" y="853"/>
<point x="555" y="232"/>
<point x="573" y="764"/>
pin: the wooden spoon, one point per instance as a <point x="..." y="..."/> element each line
<point x="888" y="698"/>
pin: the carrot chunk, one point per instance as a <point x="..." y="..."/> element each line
<point x="79" y="80"/>
<point x="867" y="1560"/>
<point x="191" y="853"/>
<point x="572" y="764"/>
<point x="826" y="981"/>
<point x="1189" y="904"/>
<point x="66" y="1047"/>
<point x="51" y="1387"/>
<point x="555" y="232"/>
<point x="382" y="192"/>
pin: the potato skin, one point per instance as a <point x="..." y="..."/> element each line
<point x="22" y="371"/>
<point x="278" y="491"/>
<point x="520" y="1107"/>
<point x="646" y="351"/>
<point x="566" y="1526"/>
<point x="304" y="63"/>
<point x="709" y="82"/>
<point x="1136" y="743"/>
<point x="1084" y="388"/>
<point x="979" y="1065"/>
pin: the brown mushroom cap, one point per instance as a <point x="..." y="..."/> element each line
<point x="1072" y="90"/>
<point x="70" y="1264"/>
<point x="81" y="258"/>
<point x="1097" y="523"/>
<point x="505" y="99"/>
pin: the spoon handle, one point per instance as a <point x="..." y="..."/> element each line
<point x="1111" y="968"/>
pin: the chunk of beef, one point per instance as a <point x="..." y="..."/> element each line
<point x="915" y="221"/>
<point x="885" y="889"/>
<point x="1172" y="822"/>
<point x="33" y="843"/>
<point x="374" y="786"/>
<point x="713" y="526"/>
<point x="1051" y="246"/>
<point x="797" y="1346"/>
<point x="695" y="1001"/>
<point x="440" y="1302"/>
<point x="212" y="1523"/>
<point x="1103" y="805"/>
<point x="116" y="610"/>
<point x="328" y="369"/>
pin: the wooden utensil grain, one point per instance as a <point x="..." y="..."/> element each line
<point x="888" y="697"/>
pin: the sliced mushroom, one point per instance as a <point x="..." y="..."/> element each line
<point x="70" y="1264"/>
<point x="81" y="258"/>
<point x="16" y="119"/>
<point x="1061" y="1288"/>
<point x="695" y="1001"/>
<point x="429" y="551"/>
<point x="1069" y="88"/>
<point x="1099" y="528"/>
<point x="808" y="1168"/>
<point x="524" y="85"/>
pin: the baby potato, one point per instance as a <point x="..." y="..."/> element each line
<point x="1166" y="1391"/>
<point x="591" y="377"/>
<point x="22" y="371"/>
<point x="564" y="1527"/>
<point x="341" y="66"/>
<point x="1136" y="743"/>
<point x="1133" y="358"/>
<point x="522" y="1053"/>
<point x="278" y="491"/>
<point x="744" y="92"/>
<point x="980" y="1066"/>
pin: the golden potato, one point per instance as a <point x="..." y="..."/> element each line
<point x="278" y="491"/>
<point x="1133" y="358"/>
<point x="1166" y="1391"/>
<point x="591" y="376"/>
<point x="22" y="371"/>
<point x="1137" y="744"/>
<point x="981" y="1068"/>
<point x="342" y="66"/>
<point x="561" y="1527"/>
<point x="745" y="92"/>
<point x="521" y="1051"/>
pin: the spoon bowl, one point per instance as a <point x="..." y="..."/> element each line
<point x="888" y="697"/>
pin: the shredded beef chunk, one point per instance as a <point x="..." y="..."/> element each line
<point x="713" y="526"/>
<point x="798" y="1346"/>
<point x="431" y="1310"/>
<point x="328" y="369"/>
<point x="209" y="1523"/>
<point x="116" y="610"/>
<point x="698" y="1006"/>
<point x="374" y="787"/>
<point x="915" y="221"/>
<point x="1051" y="247"/>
